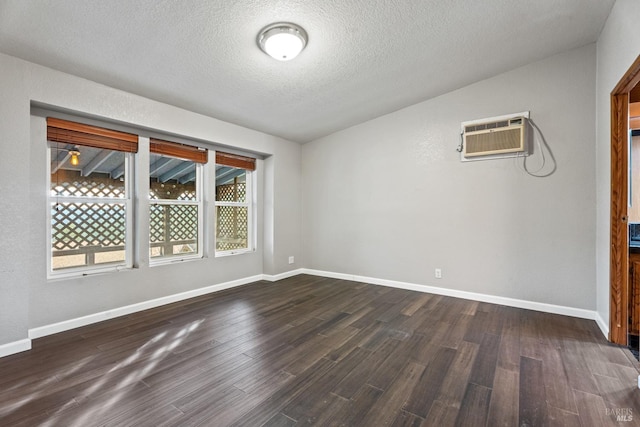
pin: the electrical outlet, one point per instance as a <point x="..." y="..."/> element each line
<point x="438" y="273"/>
<point x="291" y="260"/>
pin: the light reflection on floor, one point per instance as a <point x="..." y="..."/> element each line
<point x="149" y="355"/>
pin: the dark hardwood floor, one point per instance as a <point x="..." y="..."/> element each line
<point x="311" y="350"/>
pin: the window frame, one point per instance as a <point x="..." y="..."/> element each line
<point x="199" y="202"/>
<point x="127" y="201"/>
<point x="249" y="203"/>
<point x="68" y="130"/>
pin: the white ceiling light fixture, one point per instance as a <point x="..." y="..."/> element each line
<point x="283" y="40"/>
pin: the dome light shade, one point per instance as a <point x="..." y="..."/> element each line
<point x="282" y="41"/>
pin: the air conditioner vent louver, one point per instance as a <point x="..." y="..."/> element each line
<point x="483" y="126"/>
<point x="490" y="142"/>
<point x="495" y="138"/>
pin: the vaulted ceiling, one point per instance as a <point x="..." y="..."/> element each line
<point x="364" y="58"/>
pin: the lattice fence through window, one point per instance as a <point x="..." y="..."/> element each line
<point x="156" y="223"/>
<point x="232" y="228"/>
<point x="172" y="223"/>
<point x="172" y="190"/>
<point x="173" y="227"/>
<point x="86" y="228"/>
<point x="231" y="192"/>
<point x="77" y="225"/>
<point x="72" y="184"/>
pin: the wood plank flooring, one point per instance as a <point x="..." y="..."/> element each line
<point x="317" y="351"/>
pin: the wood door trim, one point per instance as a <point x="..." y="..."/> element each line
<point x="630" y="79"/>
<point x="619" y="253"/>
<point x="619" y="276"/>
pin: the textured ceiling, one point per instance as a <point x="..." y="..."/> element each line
<point x="365" y="58"/>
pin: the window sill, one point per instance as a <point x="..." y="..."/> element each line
<point x="170" y="260"/>
<point x="230" y="253"/>
<point x="76" y="274"/>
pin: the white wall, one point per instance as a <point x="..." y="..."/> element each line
<point x="618" y="47"/>
<point x="390" y="199"/>
<point x="14" y="224"/>
<point x="27" y="299"/>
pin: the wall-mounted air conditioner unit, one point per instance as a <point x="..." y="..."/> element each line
<point x="497" y="137"/>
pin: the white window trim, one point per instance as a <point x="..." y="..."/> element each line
<point x="250" y="204"/>
<point x="199" y="202"/>
<point x="129" y="216"/>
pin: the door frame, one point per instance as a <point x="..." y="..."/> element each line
<point x="619" y="251"/>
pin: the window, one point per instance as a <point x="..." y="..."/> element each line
<point x="91" y="222"/>
<point x="89" y="197"/>
<point x="234" y="203"/>
<point x="175" y="193"/>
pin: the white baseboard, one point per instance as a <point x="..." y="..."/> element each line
<point x="133" y="308"/>
<point x="15" y="347"/>
<point x="511" y="302"/>
<point x="281" y="276"/>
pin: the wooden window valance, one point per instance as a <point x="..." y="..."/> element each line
<point x="235" y="161"/>
<point x="175" y="149"/>
<point x="59" y="130"/>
